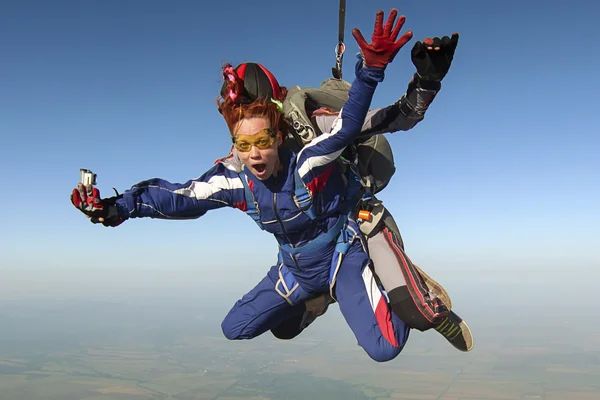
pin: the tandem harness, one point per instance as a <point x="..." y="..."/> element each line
<point x="340" y="232"/>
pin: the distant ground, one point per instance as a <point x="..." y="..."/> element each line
<point x="109" y="351"/>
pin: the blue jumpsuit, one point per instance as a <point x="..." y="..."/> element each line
<point x="298" y="275"/>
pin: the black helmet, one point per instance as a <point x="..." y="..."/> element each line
<point x="249" y="81"/>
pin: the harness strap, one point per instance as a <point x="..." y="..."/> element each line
<point x="340" y="47"/>
<point x="251" y="205"/>
<point x="343" y="239"/>
<point x="302" y="196"/>
<point x="320" y="241"/>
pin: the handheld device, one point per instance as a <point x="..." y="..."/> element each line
<point x="88" y="178"/>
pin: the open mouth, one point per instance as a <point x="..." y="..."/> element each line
<point x="260" y="168"/>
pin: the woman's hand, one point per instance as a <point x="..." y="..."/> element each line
<point x="384" y="46"/>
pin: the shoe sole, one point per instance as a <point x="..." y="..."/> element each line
<point x="467" y="335"/>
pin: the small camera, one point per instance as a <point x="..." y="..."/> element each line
<point x="88" y="178"/>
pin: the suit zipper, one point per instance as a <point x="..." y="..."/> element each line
<point x="283" y="228"/>
<point x="278" y="218"/>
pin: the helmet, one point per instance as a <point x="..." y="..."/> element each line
<point x="249" y="81"/>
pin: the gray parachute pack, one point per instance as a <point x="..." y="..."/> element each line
<point x="374" y="153"/>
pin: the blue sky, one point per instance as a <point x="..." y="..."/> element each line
<point x="502" y="175"/>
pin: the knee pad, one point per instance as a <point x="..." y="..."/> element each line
<point x="405" y="308"/>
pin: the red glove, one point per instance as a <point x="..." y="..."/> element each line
<point x="88" y="201"/>
<point x="384" y="46"/>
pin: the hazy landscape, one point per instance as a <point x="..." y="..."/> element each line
<point x="161" y="347"/>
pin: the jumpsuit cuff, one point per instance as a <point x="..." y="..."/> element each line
<point x="368" y="75"/>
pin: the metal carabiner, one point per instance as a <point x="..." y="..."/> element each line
<point x="339" y="56"/>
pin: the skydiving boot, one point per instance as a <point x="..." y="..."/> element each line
<point x="456" y="331"/>
<point x="430" y="308"/>
<point x="453" y="328"/>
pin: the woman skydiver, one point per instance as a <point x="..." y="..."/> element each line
<point x="419" y="301"/>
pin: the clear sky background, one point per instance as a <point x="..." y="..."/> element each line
<point x="500" y="183"/>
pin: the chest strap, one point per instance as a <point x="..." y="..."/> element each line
<point x="302" y="197"/>
<point x="252" y="208"/>
<point x="319" y="241"/>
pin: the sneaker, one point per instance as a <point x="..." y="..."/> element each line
<point x="456" y="331"/>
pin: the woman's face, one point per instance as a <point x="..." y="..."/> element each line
<point x="257" y="146"/>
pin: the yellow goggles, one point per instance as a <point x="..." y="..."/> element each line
<point x="263" y="140"/>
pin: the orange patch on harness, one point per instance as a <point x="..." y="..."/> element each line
<point x="324" y="111"/>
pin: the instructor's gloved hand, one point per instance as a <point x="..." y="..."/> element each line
<point x="88" y="201"/>
<point x="433" y="57"/>
<point x="384" y="46"/>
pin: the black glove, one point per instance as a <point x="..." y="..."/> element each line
<point x="433" y="57"/>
